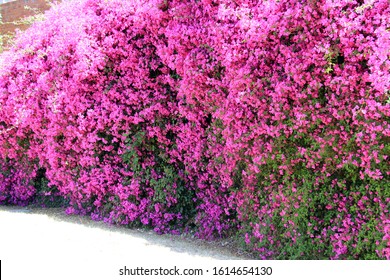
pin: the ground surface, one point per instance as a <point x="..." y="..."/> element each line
<point x="30" y="229"/>
<point x="46" y="244"/>
<point x="42" y="244"/>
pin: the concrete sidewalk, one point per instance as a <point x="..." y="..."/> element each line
<point x="49" y="242"/>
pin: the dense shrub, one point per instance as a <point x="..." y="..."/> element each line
<point x="269" y="119"/>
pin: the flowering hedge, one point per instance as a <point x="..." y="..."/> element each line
<point x="269" y="119"/>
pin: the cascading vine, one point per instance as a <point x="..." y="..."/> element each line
<point x="265" y="119"/>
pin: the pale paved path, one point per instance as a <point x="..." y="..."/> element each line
<point x="45" y="244"/>
<point x="51" y="240"/>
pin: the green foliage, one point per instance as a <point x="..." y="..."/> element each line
<point x="47" y="196"/>
<point x="311" y="209"/>
<point x="159" y="174"/>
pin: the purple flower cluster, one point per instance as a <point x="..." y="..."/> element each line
<point x="266" y="118"/>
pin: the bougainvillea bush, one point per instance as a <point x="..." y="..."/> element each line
<point x="268" y="120"/>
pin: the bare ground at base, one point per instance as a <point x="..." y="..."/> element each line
<point x="50" y="229"/>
